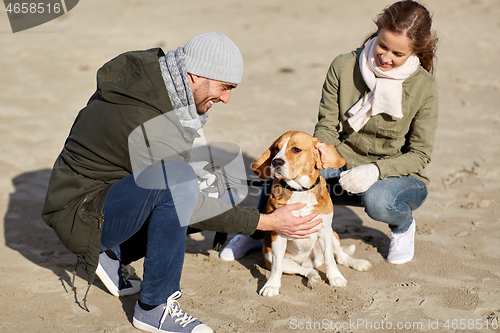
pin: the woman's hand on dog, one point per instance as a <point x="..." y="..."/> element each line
<point x="284" y="222"/>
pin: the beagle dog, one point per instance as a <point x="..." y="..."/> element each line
<point x="294" y="160"/>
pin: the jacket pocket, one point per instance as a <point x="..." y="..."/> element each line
<point x="75" y="227"/>
<point x="390" y="139"/>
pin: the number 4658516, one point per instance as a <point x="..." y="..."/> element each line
<point x="471" y="324"/>
<point x="33" y="8"/>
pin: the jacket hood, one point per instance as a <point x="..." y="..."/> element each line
<point x="134" y="78"/>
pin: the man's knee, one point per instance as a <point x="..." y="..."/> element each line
<point x="167" y="175"/>
<point x="179" y="173"/>
<point x="182" y="181"/>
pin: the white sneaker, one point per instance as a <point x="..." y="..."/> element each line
<point x="401" y="249"/>
<point x="239" y="246"/>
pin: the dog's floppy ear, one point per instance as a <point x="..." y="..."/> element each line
<point x="328" y="156"/>
<point x="262" y="166"/>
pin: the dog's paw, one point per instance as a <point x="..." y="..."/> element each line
<point x="361" y="265"/>
<point x="269" y="291"/>
<point x="337" y="281"/>
<point x="313" y="281"/>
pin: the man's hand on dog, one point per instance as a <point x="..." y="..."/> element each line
<point x="284" y="222"/>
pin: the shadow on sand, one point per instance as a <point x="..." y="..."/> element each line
<point x="26" y="233"/>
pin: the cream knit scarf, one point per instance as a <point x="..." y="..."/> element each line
<point x="386" y="88"/>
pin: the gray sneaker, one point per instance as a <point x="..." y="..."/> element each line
<point x="168" y="318"/>
<point x="111" y="273"/>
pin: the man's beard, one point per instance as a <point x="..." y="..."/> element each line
<point x="199" y="97"/>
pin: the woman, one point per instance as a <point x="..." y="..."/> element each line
<point x="379" y="107"/>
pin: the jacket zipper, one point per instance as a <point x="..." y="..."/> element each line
<point x="100" y="219"/>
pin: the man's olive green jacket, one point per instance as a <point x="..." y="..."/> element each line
<point x="130" y="92"/>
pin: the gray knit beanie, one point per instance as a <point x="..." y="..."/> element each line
<point x="214" y="56"/>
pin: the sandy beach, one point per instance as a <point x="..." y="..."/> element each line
<point x="453" y="283"/>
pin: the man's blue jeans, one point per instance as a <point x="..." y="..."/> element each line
<point x="151" y="220"/>
<point x="389" y="200"/>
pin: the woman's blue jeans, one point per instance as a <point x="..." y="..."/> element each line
<point x="147" y="215"/>
<point x="391" y="200"/>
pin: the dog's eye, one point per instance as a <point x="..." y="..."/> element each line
<point x="296" y="150"/>
<point x="276" y="149"/>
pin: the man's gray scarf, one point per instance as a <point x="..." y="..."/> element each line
<point x="179" y="90"/>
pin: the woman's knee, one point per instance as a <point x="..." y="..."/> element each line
<point x="377" y="205"/>
<point x="392" y="198"/>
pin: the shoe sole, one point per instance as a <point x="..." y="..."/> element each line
<point x="145" y="327"/>
<point x="148" y="328"/>
<point x="400" y="261"/>
<point x="101" y="273"/>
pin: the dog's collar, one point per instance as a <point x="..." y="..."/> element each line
<point x="303" y="189"/>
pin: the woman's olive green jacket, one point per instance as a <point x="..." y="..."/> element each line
<point x="399" y="147"/>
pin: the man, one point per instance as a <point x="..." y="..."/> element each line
<point x="122" y="188"/>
